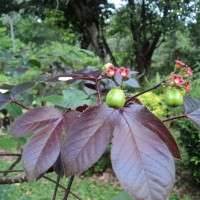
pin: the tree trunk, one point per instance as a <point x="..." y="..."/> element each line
<point x="93" y="28"/>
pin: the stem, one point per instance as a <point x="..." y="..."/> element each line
<point x="144" y="91"/>
<point x="117" y="84"/>
<point x="98" y="92"/>
<point x="10" y="154"/>
<point x="56" y="188"/>
<point x="174" y="117"/>
<point x="68" y="188"/>
<point x="61" y="186"/>
<point x="7" y="171"/>
<point x="21" y="104"/>
<point x="12" y="166"/>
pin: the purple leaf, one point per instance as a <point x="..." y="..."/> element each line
<point x="77" y="75"/>
<point x="87" y="139"/>
<point x="34" y="119"/>
<point x="16" y="90"/>
<point x="4" y="100"/>
<point x="191" y="107"/>
<point x="42" y="150"/>
<point x="58" y="167"/>
<point x="69" y="118"/>
<point x="140" y="159"/>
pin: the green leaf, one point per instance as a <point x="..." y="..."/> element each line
<point x="14" y="110"/>
<point x="122" y="195"/>
<point x="35" y="62"/>
<point x="157" y="77"/>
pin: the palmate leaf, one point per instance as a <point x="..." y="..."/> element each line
<point x="42" y="150"/>
<point x="34" y="119"/>
<point x="140" y="158"/>
<point x="87" y="139"/>
<point x="191" y="108"/>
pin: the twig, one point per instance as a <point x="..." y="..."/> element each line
<point x="56" y="188"/>
<point x="174" y="117"/>
<point x="8" y="171"/>
<point x="10" y="154"/>
<point x="61" y="186"/>
<point x="68" y="188"/>
<point x="21" y="104"/>
<point x="13" y="179"/>
<point x="98" y="92"/>
<point x="144" y="91"/>
<point x="13" y="165"/>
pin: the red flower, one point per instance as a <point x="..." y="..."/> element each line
<point x="188" y="70"/>
<point x="178" y="79"/>
<point x="124" y="72"/>
<point x="179" y="63"/>
<point x="187" y="87"/>
<point x="111" y="71"/>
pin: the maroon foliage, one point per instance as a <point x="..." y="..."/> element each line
<point x="191" y="107"/>
<point x="69" y="118"/>
<point x="34" y="119"/>
<point x="78" y="75"/>
<point x="87" y="139"/>
<point x="4" y="100"/>
<point x="140" y="158"/>
<point x="42" y="150"/>
<point x="16" y="90"/>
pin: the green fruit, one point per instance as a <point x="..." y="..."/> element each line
<point x="115" y="98"/>
<point x="182" y="91"/>
<point x="105" y="67"/>
<point x="173" y="97"/>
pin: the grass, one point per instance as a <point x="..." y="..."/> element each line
<point x="86" y="189"/>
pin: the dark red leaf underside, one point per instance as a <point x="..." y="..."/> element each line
<point x="76" y="75"/>
<point x="191" y="107"/>
<point x="87" y="139"/>
<point x="58" y="167"/>
<point x="16" y="90"/>
<point x="140" y="159"/>
<point x="42" y="150"/>
<point x="34" y="119"/>
<point x="4" y="100"/>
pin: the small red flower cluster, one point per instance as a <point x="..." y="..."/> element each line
<point x="111" y="71"/>
<point x="178" y="79"/>
<point x="184" y="72"/>
<point x="185" y="69"/>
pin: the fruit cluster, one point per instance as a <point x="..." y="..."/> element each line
<point x="116" y="97"/>
<point x="177" y="84"/>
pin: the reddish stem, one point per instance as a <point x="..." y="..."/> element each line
<point x="144" y="91"/>
<point x="174" y="117"/>
<point x="98" y="92"/>
<point x="21" y="104"/>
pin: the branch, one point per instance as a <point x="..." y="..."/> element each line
<point x="13" y="179"/>
<point x="68" y="188"/>
<point x="13" y="165"/>
<point x="8" y="171"/>
<point x="56" y="188"/>
<point x="174" y="117"/>
<point x="21" y="104"/>
<point x="61" y="186"/>
<point x="10" y="154"/>
<point x="144" y="91"/>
